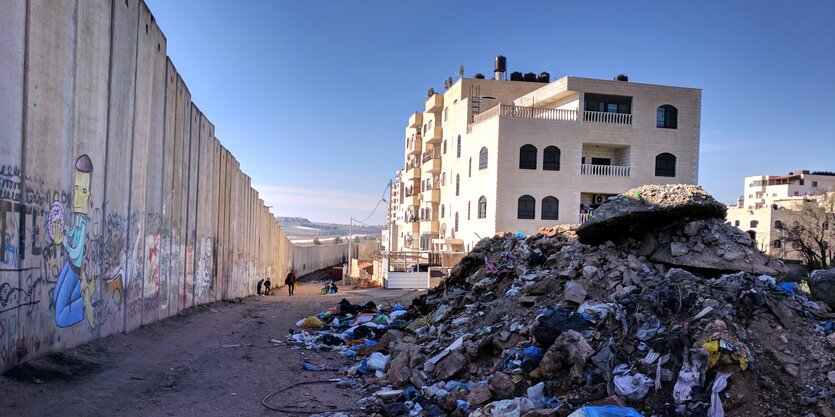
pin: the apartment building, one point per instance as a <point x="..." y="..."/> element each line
<point x="490" y="155"/>
<point x="771" y="204"/>
<point x="762" y="190"/>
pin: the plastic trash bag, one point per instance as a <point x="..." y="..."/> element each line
<point x="377" y="361"/>
<point x="555" y="321"/>
<point x="514" y="407"/>
<point x="634" y="387"/>
<point x="536" y="394"/>
<point x="312" y="322"/>
<point x="606" y="411"/>
<point x="719" y="384"/>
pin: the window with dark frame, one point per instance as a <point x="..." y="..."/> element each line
<point x="666" y="117"/>
<point x="527" y="157"/>
<point x="665" y="165"/>
<point x="482" y="207"/>
<point x="458" y="147"/>
<point x="551" y="158"/>
<point x="526" y="207"/>
<point x="550" y="208"/>
<point x="482" y="158"/>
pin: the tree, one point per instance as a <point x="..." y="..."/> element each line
<point x="316" y="241"/>
<point x="337" y="240"/>
<point x="811" y="232"/>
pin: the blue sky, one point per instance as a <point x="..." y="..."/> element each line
<point x="312" y="96"/>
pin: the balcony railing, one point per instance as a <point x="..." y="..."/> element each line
<point x="526" y="112"/>
<point x="604" y="170"/>
<point x="584" y="217"/>
<point x="606" y="117"/>
<point x="435" y="153"/>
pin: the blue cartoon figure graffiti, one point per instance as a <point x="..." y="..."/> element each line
<point x="73" y="292"/>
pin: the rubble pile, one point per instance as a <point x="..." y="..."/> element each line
<point x="655" y="307"/>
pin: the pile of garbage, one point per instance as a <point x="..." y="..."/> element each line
<point x="655" y="307"/>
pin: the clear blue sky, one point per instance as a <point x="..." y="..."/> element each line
<point x="312" y="96"/>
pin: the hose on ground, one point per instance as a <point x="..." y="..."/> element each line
<point x="289" y="411"/>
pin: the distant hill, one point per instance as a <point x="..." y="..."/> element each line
<point x="302" y="228"/>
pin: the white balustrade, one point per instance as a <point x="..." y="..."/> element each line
<point x="604" y="170"/>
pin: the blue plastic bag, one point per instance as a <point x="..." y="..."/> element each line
<point x="606" y="411"/>
<point x="786" y="287"/>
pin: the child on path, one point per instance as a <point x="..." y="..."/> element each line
<point x="258" y="286"/>
<point x="291" y="282"/>
<point x="267" y="285"/>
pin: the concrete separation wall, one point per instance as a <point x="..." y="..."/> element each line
<point x="118" y="205"/>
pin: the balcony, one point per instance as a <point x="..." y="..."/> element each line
<point x="434" y="135"/>
<point x="432" y="161"/>
<point x="584" y="217"/>
<point x="607" y="117"/>
<point x="432" y="195"/>
<point x="417" y="146"/>
<point x="604" y="170"/>
<point x="415" y="120"/>
<point x="429" y="226"/>
<point x="526" y="112"/>
<point x="435" y="103"/>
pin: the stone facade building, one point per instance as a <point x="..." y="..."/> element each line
<point x="492" y="155"/>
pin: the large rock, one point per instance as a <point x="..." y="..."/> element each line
<point x="641" y="209"/>
<point x="570" y="350"/>
<point x="450" y="365"/>
<point x="400" y="369"/>
<point x="822" y="286"/>
<point x="718" y="246"/>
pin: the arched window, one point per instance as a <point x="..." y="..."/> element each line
<point x="470" y="168"/>
<point x="444" y="146"/>
<point x="665" y="165"/>
<point x="526" y="208"/>
<point x="442" y="210"/>
<point x="736" y="223"/>
<point x="443" y="178"/>
<point x="482" y="207"/>
<point x="550" y="208"/>
<point x="666" y="117"/>
<point x="551" y="158"/>
<point x="458" y="147"/>
<point x="469" y="204"/>
<point x="482" y="158"/>
<point x="456" y="222"/>
<point x="457" y="184"/>
<point x="777" y="244"/>
<point x="778" y="224"/>
<point x="754" y="224"/>
<point x="527" y="157"/>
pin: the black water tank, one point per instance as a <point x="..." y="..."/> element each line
<point x="501" y="64"/>
<point x="544" y="77"/>
<point x="516" y="76"/>
<point x="529" y="76"/>
<point x="479" y="76"/>
<point x="621" y="77"/>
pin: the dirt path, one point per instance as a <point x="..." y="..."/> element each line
<point x="214" y="360"/>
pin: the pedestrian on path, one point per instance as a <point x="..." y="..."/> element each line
<point x="258" y="285"/>
<point x="291" y="282"/>
<point x="267" y="285"/>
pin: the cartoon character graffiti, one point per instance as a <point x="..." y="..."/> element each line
<point x="73" y="292"/>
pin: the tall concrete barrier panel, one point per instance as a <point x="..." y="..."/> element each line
<point x="203" y="245"/>
<point x="167" y="192"/>
<point x="118" y="205"/>
<point x="154" y="184"/>
<point x="92" y="69"/>
<point x="53" y="220"/>
<point x="15" y="297"/>
<point x="117" y="172"/>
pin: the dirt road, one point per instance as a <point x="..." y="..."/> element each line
<point x="213" y="360"/>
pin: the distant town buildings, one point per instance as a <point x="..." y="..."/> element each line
<point x="771" y="205"/>
<point x="492" y="155"/>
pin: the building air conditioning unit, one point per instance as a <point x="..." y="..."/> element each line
<point x="599" y="198"/>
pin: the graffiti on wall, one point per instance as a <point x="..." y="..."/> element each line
<point x="73" y="292"/>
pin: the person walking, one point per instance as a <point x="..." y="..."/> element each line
<point x="258" y="286"/>
<point x="267" y="285"/>
<point x="291" y="282"/>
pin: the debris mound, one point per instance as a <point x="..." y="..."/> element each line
<point x="680" y="318"/>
